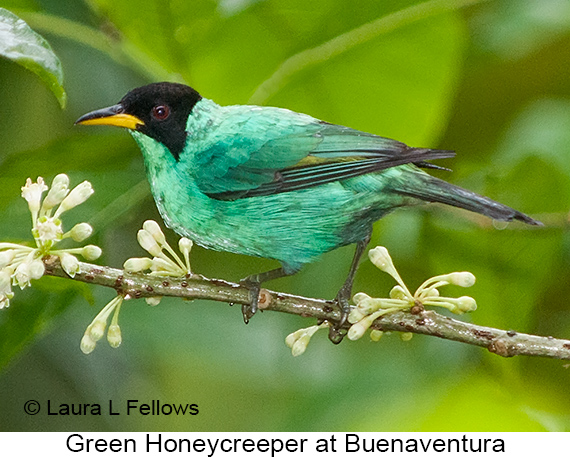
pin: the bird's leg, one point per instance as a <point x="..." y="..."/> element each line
<point x="253" y="283"/>
<point x="336" y="334"/>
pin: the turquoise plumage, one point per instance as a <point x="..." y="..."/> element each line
<point x="273" y="183"/>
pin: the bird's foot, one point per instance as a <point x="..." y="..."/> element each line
<point x="254" y="286"/>
<point x="337" y="332"/>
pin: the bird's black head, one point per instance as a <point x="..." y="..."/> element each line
<point x="158" y="110"/>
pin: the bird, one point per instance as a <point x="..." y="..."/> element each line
<point x="273" y="183"/>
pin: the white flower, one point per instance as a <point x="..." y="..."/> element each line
<point x="368" y="309"/>
<point x="20" y="263"/>
<point x="32" y="193"/>
<point x="48" y="229"/>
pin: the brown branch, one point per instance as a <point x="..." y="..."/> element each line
<point x="131" y="285"/>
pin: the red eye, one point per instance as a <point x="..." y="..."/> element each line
<point x="161" y="112"/>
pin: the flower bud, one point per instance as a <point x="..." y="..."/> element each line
<point x="370" y="305"/>
<point x="97" y="329"/>
<point x="5" y="301"/>
<point x="359" y="298"/>
<point x="58" y="191"/>
<point x="87" y="344"/>
<point x="293" y="337"/>
<point x="91" y="252"/>
<point x="77" y="196"/>
<point x="299" y="340"/>
<point x="356" y="331"/>
<point x="148" y="243"/>
<point x="398" y="293"/>
<point x="136" y="264"/>
<point x="462" y="278"/>
<point x="22" y="276"/>
<point x="300" y="345"/>
<point x="152" y="301"/>
<point x="5" y="286"/>
<point x="6" y="257"/>
<point x="375" y="335"/>
<point x="5" y="276"/>
<point x="434" y="292"/>
<point x="81" y="232"/>
<point x="37" y="269"/>
<point x="380" y="257"/>
<point x="69" y="263"/>
<point x="153" y="228"/>
<point x="355" y="315"/>
<point x="167" y="266"/>
<point x="466" y="304"/>
<point x="114" y="335"/>
<point x="61" y="180"/>
<point x="185" y="245"/>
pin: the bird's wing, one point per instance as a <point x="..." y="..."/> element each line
<point x="282" y="151"/>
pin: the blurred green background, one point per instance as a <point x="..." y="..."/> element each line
<point x="490" y="80"/>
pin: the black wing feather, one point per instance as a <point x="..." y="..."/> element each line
<point x="304" y="177"/>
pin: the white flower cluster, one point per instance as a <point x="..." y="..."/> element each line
<point x="152" y="240"/>
<point x="19" y="264"/>
<point x="368" y="309"/>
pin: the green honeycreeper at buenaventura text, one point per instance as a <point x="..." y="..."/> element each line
<point x="274" y="183"/>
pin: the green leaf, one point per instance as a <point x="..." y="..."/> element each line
<point x="19" y="43"/>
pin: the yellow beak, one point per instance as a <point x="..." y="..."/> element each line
<point x="113" y="115"/>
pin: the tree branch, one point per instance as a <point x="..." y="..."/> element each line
<point x="138" y="285"/>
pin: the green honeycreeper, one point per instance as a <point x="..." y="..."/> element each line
<point x="274" y="183"/>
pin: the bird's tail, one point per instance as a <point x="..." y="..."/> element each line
<point x="430" y="189"/>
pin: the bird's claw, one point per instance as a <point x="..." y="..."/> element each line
<point x="337" y="332"/>
<point x="254" y="288"/>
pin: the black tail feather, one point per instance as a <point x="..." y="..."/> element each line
<point x="430" y="189"/>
